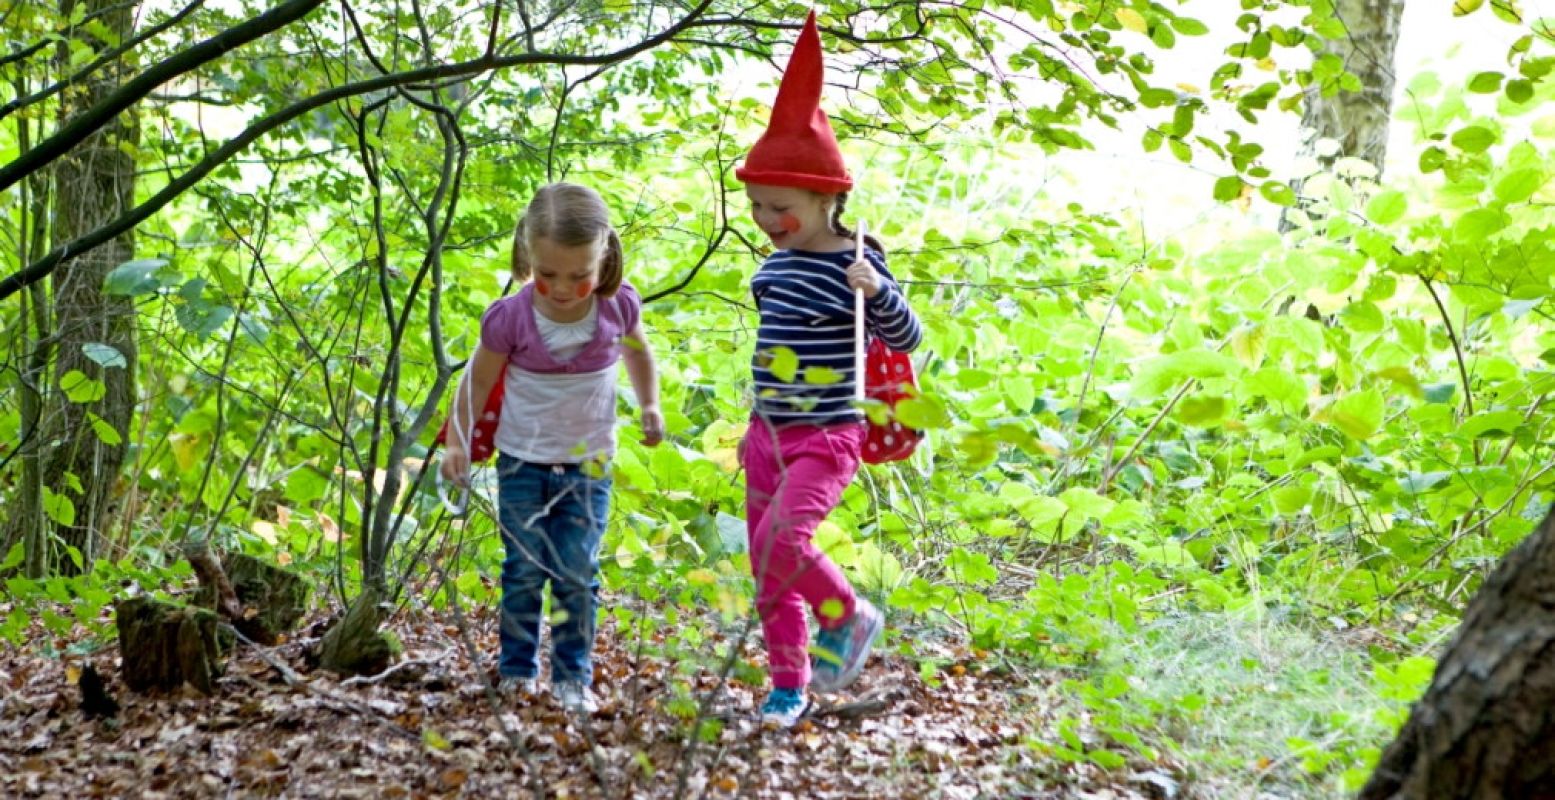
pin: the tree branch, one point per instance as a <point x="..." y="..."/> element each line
<point x="45" y="265"/>
<point x="87" y="123"/>
<point x="107" y="56"/>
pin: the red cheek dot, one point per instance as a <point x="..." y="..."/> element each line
<point x="584" y="288"/>
<point x="543" y="288"/>
<point x="790" y="223"/>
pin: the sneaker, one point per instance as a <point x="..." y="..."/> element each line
<point x="575" y="697"/>
<point x="845" y="649"/>
<point x="509" y="685"/>
<point x="784" y="707"/>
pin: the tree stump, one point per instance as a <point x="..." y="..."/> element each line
<point x="354" y="646"/>
<point x="1483" y="729"/>
<point x="272" y="599"/>
<point x="163" y="646"/>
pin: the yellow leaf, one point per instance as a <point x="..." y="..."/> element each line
<point x="72" y="674"/>
<point x="185" y="450"/>
<point x="1133" y="20"/>
<point x="1266" y="64"/>
<point x="265" y="530"/>
<point x="331" y="530"/>
<point x="1465" y="7"/>
<point x="431" y="738"/>
<point x="701" y="577"/>
<point x="283" y="558"/>
<point x="1190" y="88"/>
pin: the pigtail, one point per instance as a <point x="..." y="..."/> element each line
<point x="522" y="268"/>
<point x="612" y="266"/>
<point x="839" y="205"/>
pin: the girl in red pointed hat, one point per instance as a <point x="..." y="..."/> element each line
<point x="803" y="445"/>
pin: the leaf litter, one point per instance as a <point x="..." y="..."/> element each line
<point x="432" y="726"/>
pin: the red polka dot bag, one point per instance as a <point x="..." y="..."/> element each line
<point x="483" y="436"/>
<point x="889" y="379"/>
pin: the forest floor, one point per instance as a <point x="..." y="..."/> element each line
<point x="430" y="728"/>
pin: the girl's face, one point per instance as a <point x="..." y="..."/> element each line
<point x="792" y="218"/>
<point x="564" y="276"/>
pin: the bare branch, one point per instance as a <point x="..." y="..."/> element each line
<point x="107" y="56"/>
<point x="45" y="265"/>
<point x="133" y="91"/>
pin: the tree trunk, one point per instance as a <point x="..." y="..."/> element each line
<point x="94" y="184"/>
<point x="1483" y="729"/>
<point x="262" y="601"/>
<point x="1357" y="120"/>
<point x="163" y="646"/>
<point x="354" y="645"/>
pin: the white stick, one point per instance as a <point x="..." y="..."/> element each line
<point x="858" y="323"/>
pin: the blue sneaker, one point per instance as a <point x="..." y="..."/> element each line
<point x="784" y="707"/>
<point x="845" y="649"/>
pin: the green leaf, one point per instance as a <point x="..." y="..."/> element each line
<point x="1490" y="425"/>
<point x="1188" y="26"/>
<point x="1386" y="208"/>
<point x="1202" y="410"/>
<point x="1106" y="759"/>
<point x="1327" y="454"/>
<point x="821" y="376"/>
<point x="12" y="558"/>
<point x="1086" y="503"/>
<point x="1519" y="91"/>
<point x="973" y="568"/>
<point x="58" y="507"/>
<point x="134" y="277"/>
<point x="431" y="738"/>
<point x="784" y="364"/>
<point x="1291" y="499"/>
<point x="104" y="354"/>
<point x="1474" y="139"/>
<point x="1358" y="414"/>
<point x="1040" y="511"/>
<point x="105" y="431"/>
<point x="1282" y="389"/>
<point x="923" y="413"/>
<point x="1277" y="193"/>
<point x="1440" y="392"/>
<point x="1519" y="185"/>
<point x="1485" y="82"/>
<point x="1158" y="375"/>
<point x="1228" y="188"/>
<point x="1478" y="225"/>
<point x="81" y="389"/>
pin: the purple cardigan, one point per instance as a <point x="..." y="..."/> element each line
<point x="508" y="326"/>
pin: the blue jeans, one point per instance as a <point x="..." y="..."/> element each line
<point x="552" y="520"/>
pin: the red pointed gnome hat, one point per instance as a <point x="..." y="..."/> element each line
<point x="799" y="149"/>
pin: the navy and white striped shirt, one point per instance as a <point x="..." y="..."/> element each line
<point x="806" y="306"/>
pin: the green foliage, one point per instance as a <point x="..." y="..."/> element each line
<point x="1340" y="427"/>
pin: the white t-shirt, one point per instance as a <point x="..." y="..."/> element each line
<point x="563" y="418"/>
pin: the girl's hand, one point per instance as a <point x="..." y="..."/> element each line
<point x="653" y="426"/>
<point x="455" y="468"/>
<point x="862" y="275"/>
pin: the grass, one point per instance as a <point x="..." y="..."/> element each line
<point x="1262" y="707"/>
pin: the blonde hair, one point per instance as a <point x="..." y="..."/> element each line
<point x="569" y="215"/>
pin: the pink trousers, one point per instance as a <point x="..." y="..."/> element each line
<point x="794" y="477"/>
